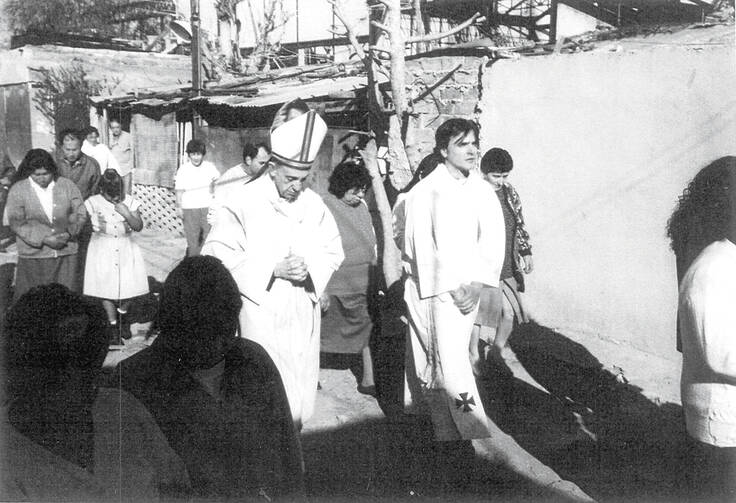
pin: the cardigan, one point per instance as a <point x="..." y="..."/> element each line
<point x="29" y="222"/>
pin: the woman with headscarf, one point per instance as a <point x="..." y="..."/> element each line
<point x="46" y="212"/>
<point x="346" y="322"/>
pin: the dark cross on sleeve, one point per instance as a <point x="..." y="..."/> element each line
<point x="465" y="402"/>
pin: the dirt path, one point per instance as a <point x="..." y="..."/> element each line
<point x="577" y="414"/>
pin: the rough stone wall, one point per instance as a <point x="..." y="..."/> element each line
<point x="456" y="97"/>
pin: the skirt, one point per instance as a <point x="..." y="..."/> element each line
<point x="346" y="326"/>
<point x="32" y="272"/>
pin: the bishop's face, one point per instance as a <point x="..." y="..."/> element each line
<point x="290" y="182"/>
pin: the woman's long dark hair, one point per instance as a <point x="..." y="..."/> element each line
<point x="36" y="158"/>
<point x="704" y="211"/>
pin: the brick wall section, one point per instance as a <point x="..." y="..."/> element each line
<point x="456" y="97"/>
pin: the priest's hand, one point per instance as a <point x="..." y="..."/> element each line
<point x="324" y="302"/>
<point x="466" y="297"/>
<point x="292" y="268"/>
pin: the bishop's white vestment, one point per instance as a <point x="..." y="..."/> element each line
<point x="256" y="229"/>
<point x="450" y="232"/>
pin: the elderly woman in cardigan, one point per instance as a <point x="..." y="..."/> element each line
<point x="346" y="322"/>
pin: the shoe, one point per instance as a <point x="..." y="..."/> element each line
<point x="367" y="390"/>
<point x="113" y="336"/>
<point x="124" y="327"/>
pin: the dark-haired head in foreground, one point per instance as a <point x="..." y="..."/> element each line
<point x="54" y="344"/>
<point x="218" y="398"/>
<point x="198" y="313"/>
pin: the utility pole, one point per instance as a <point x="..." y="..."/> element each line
<point x="196" y="50"/>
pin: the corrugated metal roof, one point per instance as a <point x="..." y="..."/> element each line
<point x="283" y="92"/>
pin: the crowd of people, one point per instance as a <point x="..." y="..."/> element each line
<point x="274" y="274"/>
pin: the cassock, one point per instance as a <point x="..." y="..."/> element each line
<point x="255" y="230"/>
<point x="450" y="232"/>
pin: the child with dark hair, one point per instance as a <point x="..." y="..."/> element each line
<point x="194" y="185"/>
<point x="115" y="271"/>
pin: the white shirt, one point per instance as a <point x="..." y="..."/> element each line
<point x="194" y="184"/>
<point x="102" y="155"/>
<point x="45" y="197"/>
<point x="707" y="314"/>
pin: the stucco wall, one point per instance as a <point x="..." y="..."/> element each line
<point x="603" y="144"/>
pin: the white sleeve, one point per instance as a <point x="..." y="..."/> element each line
<point x="250" y="264"/>
<point x="717" y="323"/>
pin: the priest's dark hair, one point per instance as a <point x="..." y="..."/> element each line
<point x="36" y="158"/>
<point x="452" y="128"/>
<point x="348" y="175"/>
<point x="251" y="149"/>
<point x="704" y="212"/>
<point x="198" y="312"/>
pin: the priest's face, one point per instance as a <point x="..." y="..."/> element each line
<point x="461" y="152"/>
<point x="290" y="182"/>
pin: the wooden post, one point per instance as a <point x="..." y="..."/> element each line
<point x="196" y="50"/>
<point x="553" y="22"/>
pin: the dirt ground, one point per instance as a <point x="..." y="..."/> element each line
<point x="615" y="430"/>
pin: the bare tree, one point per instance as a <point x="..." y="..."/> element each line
<point x="273" y="18"/>
<point x="126" y="18"/>
<point x="227" y="12"/>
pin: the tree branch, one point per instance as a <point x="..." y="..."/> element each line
<point x="381" y="27"/>
<point x="436" y="36"/>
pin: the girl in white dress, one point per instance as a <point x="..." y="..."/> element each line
<point x="115" y="271"/>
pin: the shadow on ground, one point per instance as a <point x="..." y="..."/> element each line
<point x="396" y="460"/>
<point x="592" y="427"/>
